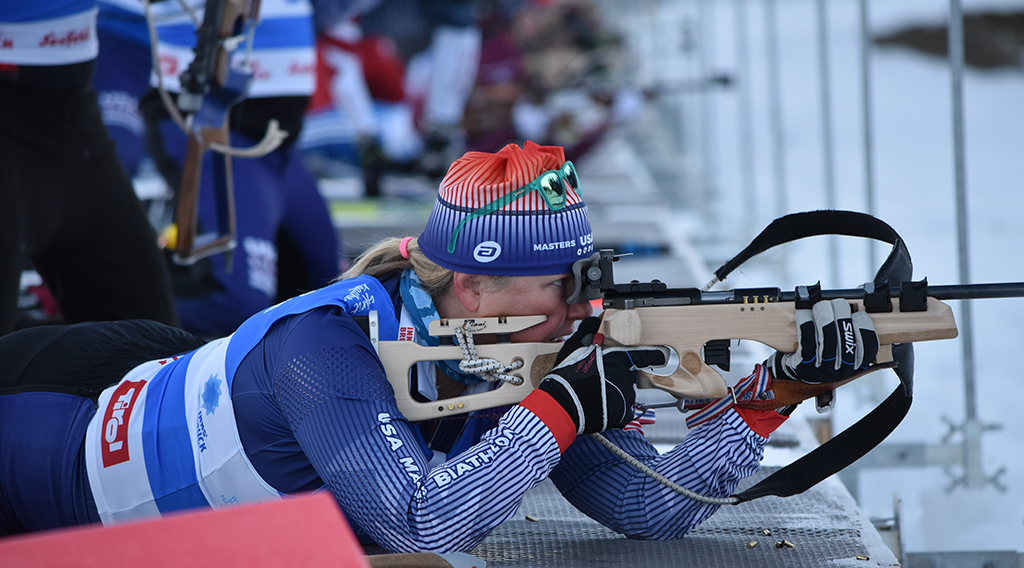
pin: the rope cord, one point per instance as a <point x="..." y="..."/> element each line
<point x="661" y="478"/>
<point x="273" y="138"/>
<point x="172" y="109"/>
<point x="490" y="370"/>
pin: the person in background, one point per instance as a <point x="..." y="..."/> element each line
<point x="396" y="78"/>
<point x="358" y="115"/>
<point x="454" y="59"/>
<point x="123" y="70"/>
<point x="287" y="243"/>
<point x="67" y="207"/>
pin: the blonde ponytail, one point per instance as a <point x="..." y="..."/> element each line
<point x="386" y="257"/>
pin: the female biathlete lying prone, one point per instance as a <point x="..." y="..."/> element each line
<point x="111" y="422"/>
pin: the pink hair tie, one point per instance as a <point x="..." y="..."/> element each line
<point x="404" y="247"/>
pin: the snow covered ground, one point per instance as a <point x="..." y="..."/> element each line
<point x="915" y="193"/>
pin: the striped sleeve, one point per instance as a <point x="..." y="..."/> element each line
<point x="711" y="461"/>
<point x="381" y="478"/>
<point x="334" y="398"/>
<point x="463" y="499"/>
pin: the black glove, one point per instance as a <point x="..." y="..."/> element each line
<point x="832" y="344"/>
<point x="595" y="385"/>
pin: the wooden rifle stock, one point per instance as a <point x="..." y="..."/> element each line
<point x="210" y="87"/>
<point x="686" y="329"/>
<point x="186" y="251"/>
<point x="399" y="357"/>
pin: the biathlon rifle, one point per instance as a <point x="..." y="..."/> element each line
<point x="695" y="324"/>
<point x="211" y="85"/>
<point x="698" y="326"/>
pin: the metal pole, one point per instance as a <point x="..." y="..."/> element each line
<point x="746" y="120"/>
<point x="775" y="102"/>
<point x="865" y="84"/>
<point x="706" y="55"/>
<point x="775" y="110"/>
<point x="973" y="474"/>
<point x="826" y="132"/>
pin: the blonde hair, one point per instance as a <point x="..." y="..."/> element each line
<point x="386" y="257"/>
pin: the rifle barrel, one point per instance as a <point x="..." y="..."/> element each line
<point x="977" y="291"/>
<point x="940" y="292"/>
<point x="652" y="294"/>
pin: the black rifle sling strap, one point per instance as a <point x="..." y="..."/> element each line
<point x="857" y="440"/>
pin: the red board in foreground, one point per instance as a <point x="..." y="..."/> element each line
<point x="303" y="531"/>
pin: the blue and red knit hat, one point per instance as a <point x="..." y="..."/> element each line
<point x="517" y="212"/>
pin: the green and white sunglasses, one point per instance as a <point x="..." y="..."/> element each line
<point x="551" y="185"/>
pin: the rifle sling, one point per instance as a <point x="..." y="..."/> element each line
<point x="828" y="222"/>
<point x="857" y="440"/>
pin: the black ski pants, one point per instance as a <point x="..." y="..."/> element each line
<point x="68" y="206"/>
